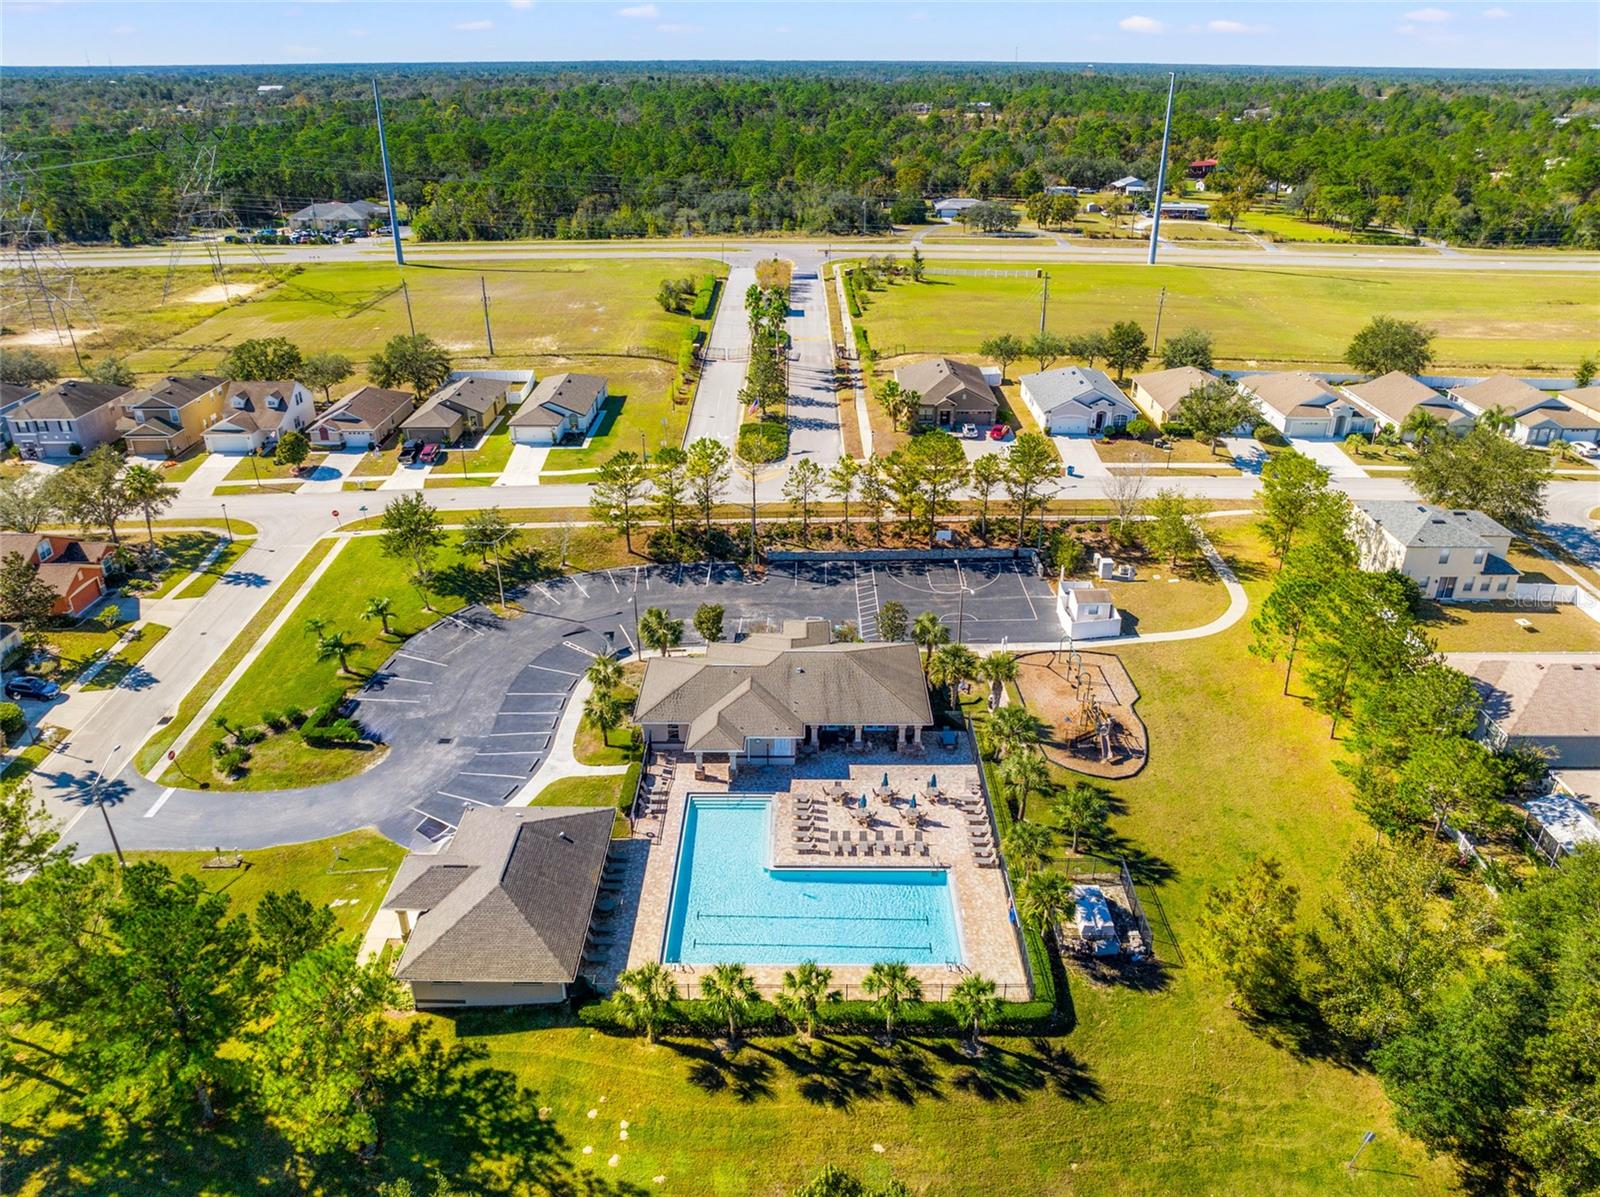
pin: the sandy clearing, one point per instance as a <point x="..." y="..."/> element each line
<point x="222" y="292"/>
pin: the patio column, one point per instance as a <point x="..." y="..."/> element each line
<point x="916" y="735"/>
<point x="813" y="735"/>
<point x="860" y="731"/>
<point x="901" y="739"/>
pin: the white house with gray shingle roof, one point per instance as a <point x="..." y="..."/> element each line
<point x="1450" y="553"/>
<point x="770" y="696"/>
<point x="1299" y="404"/>
<point x="563" y="405"/>
<point x="501" y="915"/>
<point x="1076" y="401"/>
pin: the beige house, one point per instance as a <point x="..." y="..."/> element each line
<point x="1391" y="398"/>
<point x="562" y="406"/>
<point x="1583" y="399"/>
<point x="1298" y="404"/>
<point x="501" y="915"/>
<point x="773" y="695"/>
<point x="464" y="407"/>
<point x="1160" y="392"/>
<point x="168" y="418"/>
<point x="68" y="419"/>
<point x="256" y="414"/>
<point x="1450" y="554"/>
<point x="362" y="419"/>
<point x="953" y="393"/>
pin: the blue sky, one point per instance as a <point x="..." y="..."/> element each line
<point x="1423" y="33"/>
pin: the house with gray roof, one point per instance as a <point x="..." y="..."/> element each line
<point x="952" y="207"/>
<point x="255" y="414"/>
<point x="773" y="695"/>
<point x="69" y="418"/>
<point x="466" y="406"/>
<point x="561" y="407"/>
<point x="1391" y="398"/>
<point x="1451" y="554"/>
<point x="951" y="393"/>
<point x="337" y="214"/>
<point x="1076" y="401"/>
<point x="500" y="916"/>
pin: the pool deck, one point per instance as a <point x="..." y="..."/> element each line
<point x="990" y="945"/>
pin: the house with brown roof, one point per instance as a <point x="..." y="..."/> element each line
<point x="1391" y="398"/>
<point x="363" y="419"/>
<point x="951" y="393"/>
<point x="1537" y="418"/>
<point x="500" y="916"/>
<point x="169" y="417"/>
<point x="1298" y="404"/>
<point x="1583" y="399"/>
<point x="73" y="568"/>
<point x="255" y="414"/>
<point x="773" y="695"/>
<point x="68" y="419"/>
<point x="465" y="407"/>
<point x="1160" y="392"/>
<point x="561" y="407"/>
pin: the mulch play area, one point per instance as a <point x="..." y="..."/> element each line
<point x="1086" y="702"/>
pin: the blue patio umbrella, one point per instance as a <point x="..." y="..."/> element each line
<point x="933" y="781"/>
<point x="863" y="802"/>
<point x="885" y="782"/>
<point x="913" y="802"/>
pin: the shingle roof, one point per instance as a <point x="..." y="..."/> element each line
<point x="778" y="685"/>
<point x="1168" y="388"/>
<point x="15" y="392"/>
<point x="1558" y="414"/>
<point x="509" y="899"/>
<point x="339" y="210"/>
<point x="1292" y="393"/>
<point x="1396" y="395"/>
<point x="257" y="414"/>
<point x="1589" y="397"/>
<point x="69" y="400"/>
<point x="1531" y="698"/>
<point x="369" y="407"/>
<point x="557" y="395"/>
<point x="1422" y="525"/>
<point x="944" y="380"/>
<point x="1082" y="385"/>
<point x="469" y="393"/>
<point x="1500" y="391"/>
<point x="174" y="390"/>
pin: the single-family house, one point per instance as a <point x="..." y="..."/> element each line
<point x="464" y="407"/>
<point x="1391" y="398"/>
<point x="363" y="419"/>
<point x="1184" y="210"/>
<point x="1076" y="401"/>
<point x="1060" y="189"/>
<point x="73" y="568"/>
<point x="562" y="406"/>
<point x="1202" y="168"/>
<point x="951" y="207"/>
<point x="1161" y="392"/>
<point x="256" y="414"/>
<point x="762" y="698"/>
<point x="337" y="214"/>
<point x="167" y="418"/>
<point x="1532" y="702"/>
<point x="1087" y="611"/>
<point x="11" y="643"/>
<point x="499" y="916"/>
<point x="1297" y="404"/>
<point x="952" y="393"/>
<point x="1537" y="418"/>
<point x="1581" y="399"/>
<point x="12" y="396"/>
<point x="1128" y="185"/>
<point x="1553" y="421"/>
<point x="69" y="418"/>
<point x="1450" y="554"/>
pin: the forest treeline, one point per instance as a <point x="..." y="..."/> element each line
<point x="651" y="150"/>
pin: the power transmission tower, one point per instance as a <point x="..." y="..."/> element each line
<point x="37" y="280"/>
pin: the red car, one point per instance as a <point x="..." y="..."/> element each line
<point x="430" y="454"/>
<point x="999" y="432"/>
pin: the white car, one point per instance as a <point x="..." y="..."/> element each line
<point x="1585" y="448"/>
<point x="971" y="432"/>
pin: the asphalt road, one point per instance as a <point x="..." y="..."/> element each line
<point x="813" y="402"/>
<point x="468" y="706"/>
<point x="716" y="402"/>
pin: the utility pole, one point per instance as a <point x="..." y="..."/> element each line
<point x="406" y="292"/>
<point x="1161" y="169"/>
<point x="1044" y="303"/>
<point x="388" y="180"/>
<point x="1161" y="302"/>
<point x="488" y="332"/>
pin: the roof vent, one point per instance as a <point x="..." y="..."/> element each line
<point x="565" y="836"/>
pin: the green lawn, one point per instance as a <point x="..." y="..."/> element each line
<point x="348" y="873"/>
<point x="1284" y="227"/>
<point x="640" y="400"/>
<point x="1184" y="450"/>
<point x="250" y="488"/>
<point x="77" y="647"/>
<point x="1490" y="321"/>
<point x="254" y="466"/>
<point x="287" y="674"/>
<point x="124" y="663"/>
<point x="592" y="791"/>
<point x="1161" y="600"/>
<point x="185" y="551"/>
<point x="213" y="573"/>
<point x="1493" y="627"/>
<point x="183" y="469"/>
<point x="492" y="455"/>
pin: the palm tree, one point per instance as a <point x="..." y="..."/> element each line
<point x="315" y="625"/>
<point x="337" y="644"/>
<point x="643" y="996"/>
<point x="1497" y="419"/>
<point x="892" y="988"/>
<point x="1013" y="729"/>
<point x="659" y="630"/>
<point x="603" y="709"/>
<point x="1082" y="810"/>
<point x="805" y="990"/>
<point x="604" y="673"/>
<point x="1421" y="425"/>
<point x="1027" y="847"/>
<point x="975" y="1003"/>
<point x="950" y="665"/>
<point x="381" y="608"/>
<point x="928" y="632"/>
<point x="145" y="490"/>
<point x="1043" y="898"/>
<point x="997" y="669"/>
<point x="1025" y="772"/>
<point x="728" y="991"/>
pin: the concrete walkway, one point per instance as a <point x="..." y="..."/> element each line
<point x="207" y="475"/>
<point x="523" y="466"/>
<point x="328" y="478"/>
<point x="1328" y="455"/>
<point x="561" y="762"/>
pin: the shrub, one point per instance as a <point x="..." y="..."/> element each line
<point x="276" y="720"/>
<point x="1139" y="428"/>
<point x="704" y="298"/>
<point x="12" y="720"/>
<point x="1268" y="435"/>
<point x="247" y="735"/>
<point x="325" y="726"/>
<point x="1176" y="429"/>
<point x="231" y="762"/>
<point x="764" y="440"/>
<point x="1357" y="440"/>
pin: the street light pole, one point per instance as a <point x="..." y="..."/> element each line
<point x="226" y="523"/>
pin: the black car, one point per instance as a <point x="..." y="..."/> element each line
<point x="409" y="451"/>
<point x="27" y="686"/>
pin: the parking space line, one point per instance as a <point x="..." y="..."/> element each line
<point x="1023" y="582"/>
<point x="498" y="776"/>
<point x="464" y="798"/>
<point x="410" y="702"/>
<point x="521" y="733"/>
<point x="435" y="818"/>
<point x="552" y="669"/>
<point x="462" y="624"/>
<point x="415" y="681"/>
<point x="578" y="648"/>
<point x="607" y="576"/>
<point x="535" y="693"/>
<point x="503" y="711"/>
<point x="424" y="660"/>
<point x="579" y="585"/>
<point x="544" y="590"/>
<point x="516" y="752"/>
<point x="632" y="647"/>
<point x="160" y="802"/>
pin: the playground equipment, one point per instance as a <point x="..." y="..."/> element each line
<point x="1086" y="728"/>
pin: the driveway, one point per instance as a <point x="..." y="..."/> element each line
<point x="328" y="478"/>
<point x="716" y="401"/>
<point x="1330" y="456"/>
<point x="1078" y="457"/>
<point x="813" y="403"/>
<point x="523" y="466"/>
<point x="207" y="475"/>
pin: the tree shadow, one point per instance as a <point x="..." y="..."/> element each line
<point x="248" y="578"/>
<point x="744" y="1072"/>
<point x="1003" y="1073"/>
<point x="1298" y="1028"/>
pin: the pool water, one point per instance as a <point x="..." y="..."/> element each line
<point x="729" y="906"/>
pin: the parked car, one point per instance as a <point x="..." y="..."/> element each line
<point x="409" y="451"/>
<point x="970" y="432"/>
<point x="1585" y="448"/>
<point x="999" y="432"/>
<point x="430" y="454"/>
<point x="25" y="685"/>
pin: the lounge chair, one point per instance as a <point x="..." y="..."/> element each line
<point x="922" y="849"/>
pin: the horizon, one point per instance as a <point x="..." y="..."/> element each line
<point x="1508" y="37"/>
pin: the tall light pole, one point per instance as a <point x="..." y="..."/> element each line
<point x="1161" y="168"/>
<point x="388" y="179"/>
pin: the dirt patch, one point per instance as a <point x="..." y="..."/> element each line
<point x="1085" y="701"/>
<point x="223" y="293"/>
<point x="40" y="338"/>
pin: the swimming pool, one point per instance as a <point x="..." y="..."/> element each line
<point x="729" y="906"/>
